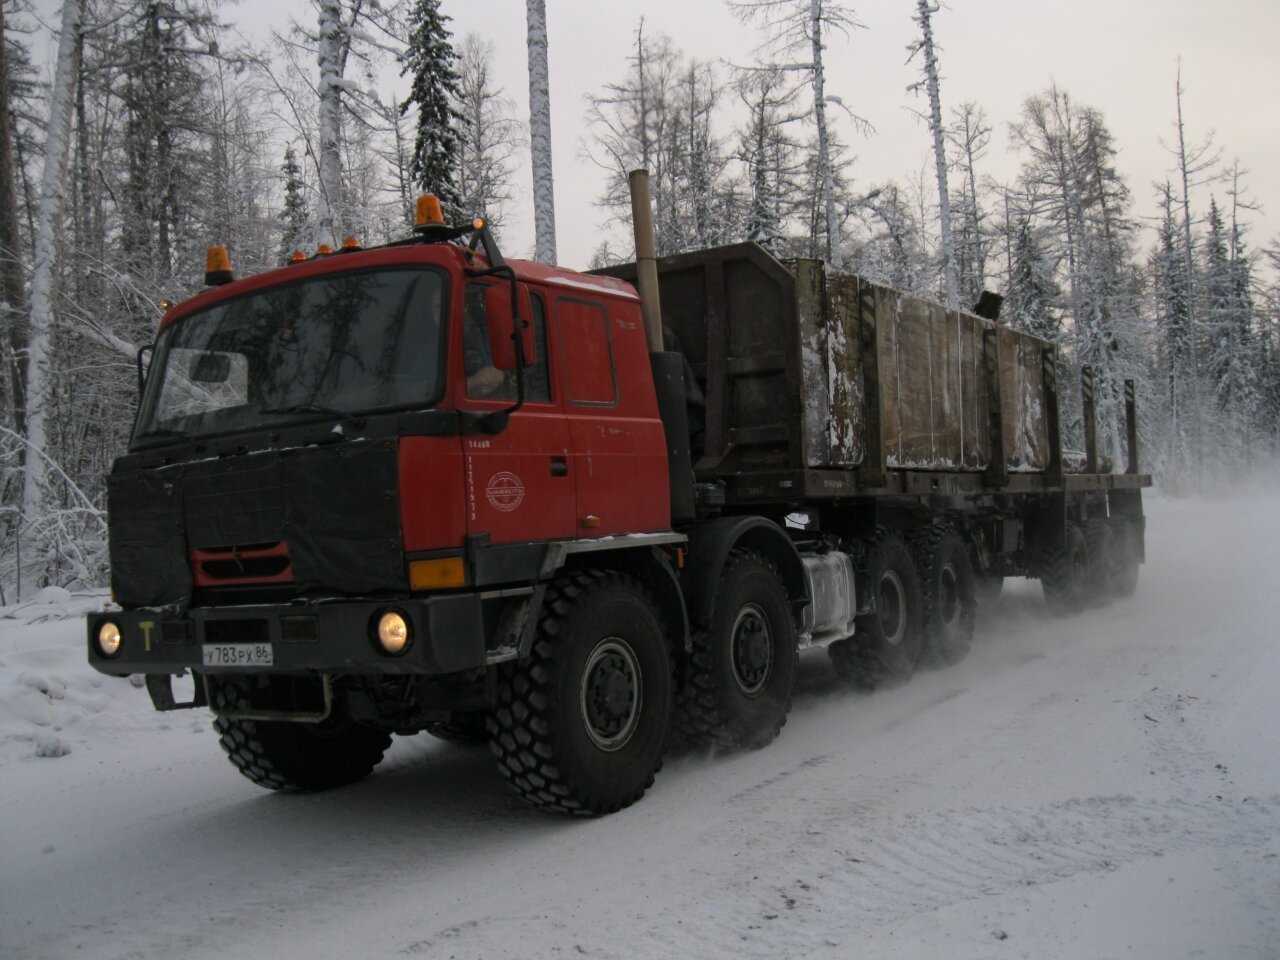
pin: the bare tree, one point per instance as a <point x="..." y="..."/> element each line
<point x="799" y="27"/>
<point x="924" y="12"/>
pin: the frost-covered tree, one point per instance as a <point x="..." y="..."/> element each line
<point x="294" y="215"/>
<point x="929" y="68"/>
<point x="544" y="202"/>
<point x="800" y="28"/>
<point x="429" y="63"/>
<point x="970" y="135"/>
<point x="1226" y="323"/>
<point x="770" y="152"/>
<point x="660" y="116"/>
<point x="488" y="135"/>
<point x="1070" y="187"/>
<point x="1170" y="292"/>
<point x="1033" y="294"/>
<point x="40" y="386"/>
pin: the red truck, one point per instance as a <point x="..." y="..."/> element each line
<point x="425" y="488"/>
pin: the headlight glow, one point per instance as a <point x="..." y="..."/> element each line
<point x="108" y="638"/>
<point x="393" y="632"/>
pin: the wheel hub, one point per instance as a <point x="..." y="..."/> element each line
<point x="891" y="604"/>
<point x="611" y="694"/>
<point x="752" y="649"/>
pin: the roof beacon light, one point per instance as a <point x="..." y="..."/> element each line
<point x="217" y="267"/>
<point x="298" y="256"/>
<point x="324" y="250"/>
<point x="350" y="245"/>
<point x="429" y="213"/>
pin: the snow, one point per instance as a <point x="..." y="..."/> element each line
<point x="1096" y="787"/>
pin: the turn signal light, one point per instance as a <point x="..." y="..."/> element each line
<point x="437" y="574"/>
<point x="429" y="213"/>
<point x="217" y="267"/>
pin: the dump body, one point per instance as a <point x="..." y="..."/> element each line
<point x="827" y="383"/>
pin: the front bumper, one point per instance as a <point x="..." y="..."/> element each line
<point x="326" y="637"/>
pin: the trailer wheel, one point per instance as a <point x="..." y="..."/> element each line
<point x="1064" y="573"/>
<point x="288" y="756"/>
<point x="739" y="677"/>
<point x="887" y="640"/>
<point x="580" y="726"/>
<point x="1101" y="581"/>
<point x="1125" y="548"/>
<point x="461" y="728"/>
<point x="947" y="593"/>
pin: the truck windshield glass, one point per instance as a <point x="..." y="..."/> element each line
<point x="337" y="345"/>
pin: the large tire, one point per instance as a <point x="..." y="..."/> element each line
<point x="1100" y="586"/>
<point x="948" y="597"/>
<point x="580" y="726"/>
<point x="1064" y="573"/>
<point x="288" y="756"/>
<point x="738" y="679"/>
<point x="1124" y="541"/>
<point x="461" y="728"/>
<point x="888" y="640"/>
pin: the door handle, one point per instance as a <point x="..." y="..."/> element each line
<point x="559" y="466"/>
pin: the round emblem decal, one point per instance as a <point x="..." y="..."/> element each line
<point x="505" y="491"/>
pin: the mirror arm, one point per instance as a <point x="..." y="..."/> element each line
<point x="148" y="349"/>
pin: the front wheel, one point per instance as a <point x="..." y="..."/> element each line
<point x="286" y="755"/>
<point x="580" y="726"/>
<point x="739" y="676"/>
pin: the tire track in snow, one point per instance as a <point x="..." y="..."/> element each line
<point x="852" y="877"/>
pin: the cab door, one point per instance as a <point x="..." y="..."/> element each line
<point x="517" y="482"/>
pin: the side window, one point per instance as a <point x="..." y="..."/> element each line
<point x="537" y="383"/>
<point x="587" y="352"/>
<point x="484" y="380"/>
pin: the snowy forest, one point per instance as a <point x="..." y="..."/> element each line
<point x="160" y="131"/>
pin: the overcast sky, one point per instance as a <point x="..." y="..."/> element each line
<point x="1119" y="56"/>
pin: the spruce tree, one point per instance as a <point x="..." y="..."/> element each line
<point x="429" y="61"/>
<point x="294" y="216"/>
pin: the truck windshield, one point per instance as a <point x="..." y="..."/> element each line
<point x="341" y="345"/>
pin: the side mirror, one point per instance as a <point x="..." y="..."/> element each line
<point x="502" y="320"/>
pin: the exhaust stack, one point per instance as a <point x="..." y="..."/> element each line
<point x="646" y="257"/>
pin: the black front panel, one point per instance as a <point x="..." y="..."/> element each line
<point x="335" y="507"/>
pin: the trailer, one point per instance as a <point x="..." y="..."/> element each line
<point x="422" y="487"/>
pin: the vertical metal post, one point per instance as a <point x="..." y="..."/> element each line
<point x="1090" y="420"/>
<point x="1053" y="420"/>
<point x="997" y="474"/>
<point x="1131" y="425"/>
<point x="871" y="473"/>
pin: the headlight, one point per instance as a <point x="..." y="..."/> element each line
<point x="108" y="638"/>
<point x="393" y="633"/>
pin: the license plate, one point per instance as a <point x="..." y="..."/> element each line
<point x="238" y="655"/>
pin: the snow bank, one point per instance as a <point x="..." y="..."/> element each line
<point x="47" y="690"/>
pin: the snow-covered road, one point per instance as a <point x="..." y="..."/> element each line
<point x="1105" y="786"/>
